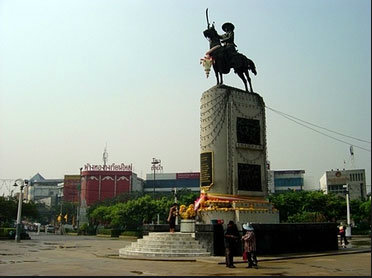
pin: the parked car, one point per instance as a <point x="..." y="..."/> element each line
<point x="50" y="228"/>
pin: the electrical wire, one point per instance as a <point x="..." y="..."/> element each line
<point x="361" y="140"/>
<point x="342" y="141"/>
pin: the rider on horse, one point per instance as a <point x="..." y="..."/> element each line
<point x="228" y="42"/>
<point x="228" y="38"/>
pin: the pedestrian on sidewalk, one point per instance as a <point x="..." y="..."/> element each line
<point x="342" y="233"/>
<point x="173" y="213"/>
<point x="231" y="240"/>
<point x="250" y="245"/>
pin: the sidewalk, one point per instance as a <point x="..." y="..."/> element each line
<point x="49" y="255"/>
<point x="351" y="249"/>
<point x="238" y="260"/>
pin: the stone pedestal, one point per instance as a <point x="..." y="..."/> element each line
<point x="187" y="226"/>
<point x="233" y="157"/>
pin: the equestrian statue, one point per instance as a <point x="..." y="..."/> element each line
<point x="222" y="54"/>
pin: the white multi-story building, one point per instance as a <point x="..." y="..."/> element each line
<point x="333" y="182"/>
<point x="165" y="182"/>
<point x="284" y="180"/>
<point x="40" y="189"/>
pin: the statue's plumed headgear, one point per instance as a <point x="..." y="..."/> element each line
<point x="228" y="26"/>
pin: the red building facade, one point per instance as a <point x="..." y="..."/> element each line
<point x="71" y="188"/>
<point x="102" y="182"/>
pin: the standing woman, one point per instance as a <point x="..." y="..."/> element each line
<point x="173" y="213"/>
<point x="250" y="245"/>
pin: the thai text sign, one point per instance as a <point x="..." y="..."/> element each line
<point x="206" y="169"/>
<point x="187" y="176"/>
<point x="112" y="167"/>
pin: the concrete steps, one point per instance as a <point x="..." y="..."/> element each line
<point x="165" y="245"/>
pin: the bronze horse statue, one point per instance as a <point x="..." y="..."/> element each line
<point x="224" y="61"/>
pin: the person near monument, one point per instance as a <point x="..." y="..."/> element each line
<point x="249" y="239"/>
<point x="173" y="213"/>
<point x="231" y="240"/>
<point x="342" y="233"/>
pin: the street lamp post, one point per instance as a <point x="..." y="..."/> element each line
<point x="21" y="183"/>
<point x="79" y="202"/>
<point x="155" y="166"/>
<point x="348" y="228"/>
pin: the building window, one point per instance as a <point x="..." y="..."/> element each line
<point x="248" y="131"/>
<point x="336" y="188"/>
<point x="249" y="177"/>
<point x="351" y="177"/>
<point x="361" y="191"/>
<point x="361" y="176"/>
<point x="285" y="182"/>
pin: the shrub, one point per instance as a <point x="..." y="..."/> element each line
<point x="115" y="232"/>
<point x="132" y="233"/>
<point x="104" y="231"/>
<point x="86" y="229"/>
<point x="7" y="232"/>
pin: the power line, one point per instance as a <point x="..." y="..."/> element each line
<point x="361" y="140"/>
<point x="342" y="141"/>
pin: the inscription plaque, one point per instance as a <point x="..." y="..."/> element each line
<point x="206" y="169"/>
<point x="248" y="131"/>
<point x="249" y="177"/>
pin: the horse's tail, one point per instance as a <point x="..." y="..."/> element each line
<point x="252" y="66"/>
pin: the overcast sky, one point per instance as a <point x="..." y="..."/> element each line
<point x="75" y="75"/>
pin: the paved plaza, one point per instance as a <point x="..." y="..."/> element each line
<point x="93" y="256"/>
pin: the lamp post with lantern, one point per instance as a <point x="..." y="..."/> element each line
<point x="21" y="183"/>
<point x="155" y="166"/>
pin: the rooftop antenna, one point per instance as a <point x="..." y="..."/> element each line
<point x="105" y="156"/>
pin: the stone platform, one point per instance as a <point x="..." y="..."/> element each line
<point x="165" y="245"/>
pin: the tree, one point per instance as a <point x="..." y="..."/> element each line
<point x="308" y="206"/>
<point x="101" y="215"/>
<point x="9" y="209"/>
<point x="187" y="197"/>
<point x="134" y="213"/>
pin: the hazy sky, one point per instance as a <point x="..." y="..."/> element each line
<point x="75" y="75"/>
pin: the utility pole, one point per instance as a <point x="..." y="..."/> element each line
<point x="348" y="228"/>
<point x="175" y="200"/>
<point x="21" y="183"/>
<point x="19" y="212"/>
<point x="79" y="202"/>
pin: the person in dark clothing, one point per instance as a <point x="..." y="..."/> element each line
<point x="342" y="232"/>
<point x="231" y="240"/>
<point x="173" y="213"/>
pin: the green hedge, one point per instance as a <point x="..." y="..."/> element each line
<point x="111" y="232"/>
<point x="86" y="229"/>
<point x="132" y="233"/>
<point x="5" y="232"/>
<point x="355" y="231"/>
<point x="104" y="231"/>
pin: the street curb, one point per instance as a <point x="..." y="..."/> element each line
<point x="210" y="259"/>
<point x="174" y="259"/>
<point x="304" y="256"/>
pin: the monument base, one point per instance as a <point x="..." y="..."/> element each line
<point x="240" y="217"/>
<point x="240" y="209"/>
<point x="187" y="226"/>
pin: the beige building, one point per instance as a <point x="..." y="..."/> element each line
<point x="333" y="182"/>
